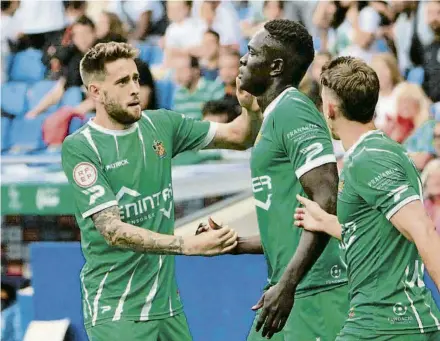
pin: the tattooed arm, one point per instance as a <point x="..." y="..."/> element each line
<point x="120" y="234"/>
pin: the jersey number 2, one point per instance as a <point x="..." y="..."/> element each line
<point x="312" y="150"/>
<point x="95" y="192"/>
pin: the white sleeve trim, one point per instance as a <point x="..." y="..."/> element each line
<point x="99" y="208"/>
<point x="396" y="208"/>
<point x="209" y="136"/>
<point x="314" y="163"/>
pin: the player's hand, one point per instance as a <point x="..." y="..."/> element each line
<point x="276" y="305"/>
<point x="245" y="99"/>
<point x="311" y="216"/>
<point x="211" y="242"/>
<point x="212" y="225"/>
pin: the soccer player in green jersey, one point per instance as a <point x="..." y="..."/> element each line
<point x="292" y="155"/>
<point x="119" y="167"/>
<point x="386" y="235"/>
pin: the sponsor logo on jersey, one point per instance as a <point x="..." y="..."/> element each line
<point x="116" y="164"/>
<point x="400" y="312"/>
<point x="262" y="183"/>
<point x="159" y="148"/>
<point x="399" y="309"/>
<point x="85" y="174"/>
<point x="335" y="271"/>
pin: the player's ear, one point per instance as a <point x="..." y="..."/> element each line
<point x="331" y="111"/>
<point x="94" y="91"/>
<point x="277" y="67"/>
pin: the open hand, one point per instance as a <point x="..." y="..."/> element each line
<point x="276" y="305"/>
<point x="212" y="242"/>
<point x="245" y="99"/>
<point x="311" y="216"/>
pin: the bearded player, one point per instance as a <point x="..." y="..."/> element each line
<point x="119" y="166"/>
<point x="386" y="236"/>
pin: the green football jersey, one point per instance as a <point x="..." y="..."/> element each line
<point x="385" y="271"/>
<point x="293" y="140"/>
<point x="131" y="169"/>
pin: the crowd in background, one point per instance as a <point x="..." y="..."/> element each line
<point x="202" y="43"/>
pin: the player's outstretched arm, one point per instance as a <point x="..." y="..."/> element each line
<point x="245" y="245"/>
<point x="313" y="218"/>
<point x="413" y="222"/>
<point x="241" y="133"/>
<point x="123" y="235"/>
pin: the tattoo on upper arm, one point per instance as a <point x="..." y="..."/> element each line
<point x="321" y="185"/>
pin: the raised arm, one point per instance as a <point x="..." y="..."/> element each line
<point x="413" y="222"/>
<point x="241" y="133"/>
<point x="123" y="235"/>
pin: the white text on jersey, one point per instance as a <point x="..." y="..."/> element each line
<point x="116" y="164"/>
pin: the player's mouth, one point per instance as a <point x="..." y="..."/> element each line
<point x="134" y="103"/>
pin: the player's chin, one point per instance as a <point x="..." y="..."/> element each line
<point x="135" y="111"/>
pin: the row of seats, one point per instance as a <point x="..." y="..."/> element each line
<point x="26" y="66"/>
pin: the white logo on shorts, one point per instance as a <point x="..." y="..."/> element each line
<point x="85" y="174"/>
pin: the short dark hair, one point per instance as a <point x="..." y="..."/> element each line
<point x="296" y="43"/>
<point x="214" y="33"/>
<point x="92" y="65"/>
<point x="356" y="85"/>
<point x="85" y="20"/>
<point x="222" y="106"/>
<point x="5" y="5"/>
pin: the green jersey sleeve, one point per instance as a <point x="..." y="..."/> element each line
<point x="303" y="135"/>
<point x="380" y="178"/>
<point x="91" y="189"/>
<point x="190" y="134"/>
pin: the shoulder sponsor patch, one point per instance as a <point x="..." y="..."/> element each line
<point x="85" y="174"/>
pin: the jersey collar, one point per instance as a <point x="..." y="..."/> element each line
<point x="361" y="138"/>
<point x="274" y="103"/>
<point x="103" y="130"/>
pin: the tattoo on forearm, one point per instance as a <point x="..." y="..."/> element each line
<point x="118" y="233"/>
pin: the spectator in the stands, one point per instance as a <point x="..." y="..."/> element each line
<point x="412" y="112"/>
<point x="74" y="10"/>
<point x="83" y="36"/>
<point x="184" y="34"/>
<point x="110" y="27"/>
<point x="229" y="64"/>
<point x="8" y="34"/>
<point x="193" y="91"/>
<point x="310" y="85"/>
<point x="424" y="144"/>
<point x="42" y="23"/>
<point x="431" y="190"/>
<point x="271" y="10"/>
<point x="431" y="58"/>
<point x="385" y="65"/>
<point x="323" y="18"/>
<point x="143" y="18"/>
<point x="221" y="111"/>
<point x="210" y="53"/>
<point x="221" y="17"/>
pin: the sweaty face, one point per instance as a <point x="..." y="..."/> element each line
<point x="255" y="68"/>
<point x="120" y="91"/>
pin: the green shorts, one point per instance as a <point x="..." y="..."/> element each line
<point x="317" y="317"/>
<point x="173" y="328"/>
<point x="351" y="336"/>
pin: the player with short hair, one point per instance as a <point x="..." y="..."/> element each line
<point x="119" y="166"/>
<point x="386" y="235"/>
<point x="293" y="155"/>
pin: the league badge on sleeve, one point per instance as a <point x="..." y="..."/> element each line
<point x="159" y="148"/>
<point x="85" y="174"/>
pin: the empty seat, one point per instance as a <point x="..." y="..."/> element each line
<point x="26" y="135"/>
<point x="151" y="54"/>
<point x="14" y="98"/>
<point x="27" y="66"/>
<point x="164" y="93"/>
<point x="416" y="75"/>
<point x="6" y="133"/>
<point x="36" y="93"/>
<point x="72" y="97"/>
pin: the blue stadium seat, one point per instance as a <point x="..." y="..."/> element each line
<point x="38" y="91"/>
<point x="6" y="133"/>
<point x="75" y="124"/>
<point x="13" y="98"/>
<point x="416" y="75"/>
<point x="26" y="135"/>
<point x="27" y="66"/>
<point x="165" y="93"/>
<point x="243" y="13"/>
<point x="151" y="54"/>
<point x="72" y="97"/>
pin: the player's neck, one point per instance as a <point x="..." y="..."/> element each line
<point x="353" y="131"/>
<point x="273" y="91"/>
<point x="104" y="121"/>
